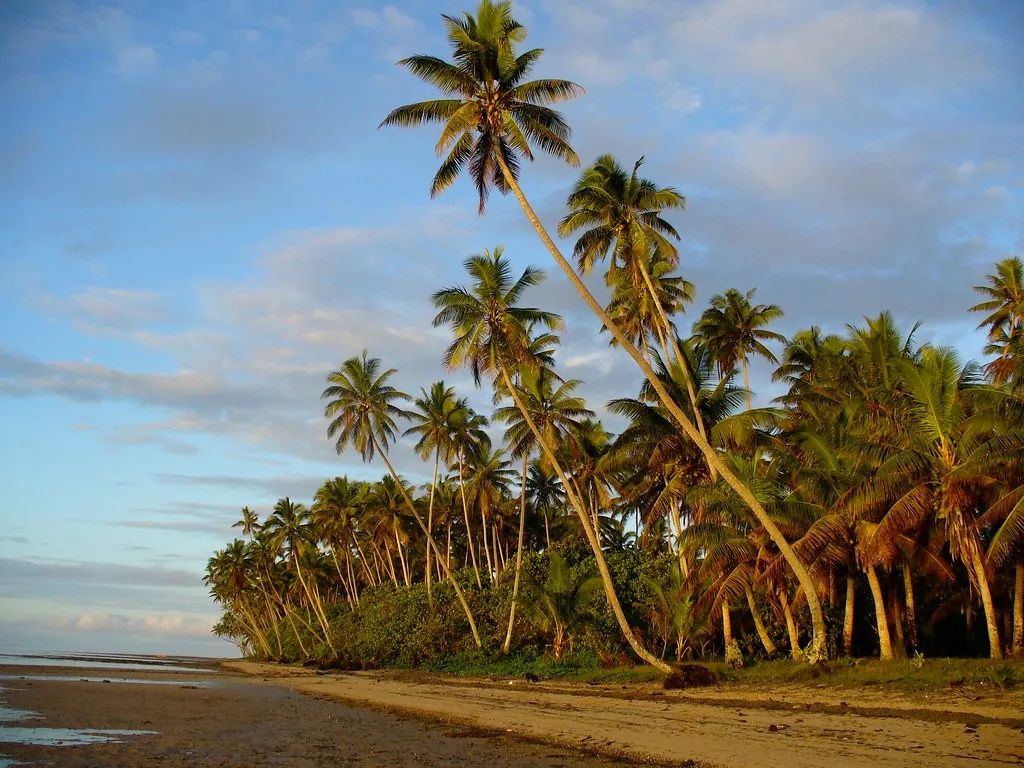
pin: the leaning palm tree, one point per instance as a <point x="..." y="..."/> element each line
<point x="734" y="329"/>
<point x="362" y="411"/>
<point x="554" y="409"/>
<point x="489" y="118"/>
<point x="492" y="336"/>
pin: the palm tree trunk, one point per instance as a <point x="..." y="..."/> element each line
<point x="430" y="526"/>
<point x="469" y="528"/>
<point x="683" y="365"/>
<point x="746" y="384"/>
<point x="791" y="628"/>
<point x="581" y="512"/>
<point x="1017" y="648"/>
<point x="318" y="609"/>
<point x="762" y="632"/>
<point x="884" y="639"/>
<point x="896" y="622"/>
<point x="714" y="460"/>
<point x="851" y="593"/>
<point x="484" y="535"/>
<point x="985" y="592"/>
<point x="401" y="557"/>
<point x="519" y="557"/>
<point x="910" y="605"/>
<point x="431" y="543"/>
<point x="547" y="531"/>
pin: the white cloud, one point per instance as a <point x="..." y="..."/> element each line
<point x="133" y="59"/>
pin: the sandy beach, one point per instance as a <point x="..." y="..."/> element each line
<point x="254" y="715"/>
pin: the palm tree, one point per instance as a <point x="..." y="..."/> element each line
<point x="289" y="527"/>
<point x="554" y="410"/>
<point x="362" y="412"/>
<point x="492" y="336"/>
<point x="1004" y="304"/>
<point x="734" y="329"/>
<point x="433" y="423"/>
<point x="249" y="522"/>
<point x="488" y="125"/>
<point x="562" y="602"/>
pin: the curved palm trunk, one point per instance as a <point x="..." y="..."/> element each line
<point x="595" y="545"/>
<point x="884" y="639"/>
<point x="431" y="543"/>
<point x="469" y="528"/>
<point x="254" y="627"/>
<point x="714" y="460"/>
<point x="985" y="592"/>
<point x="519" y="557"/>
<point x="318" y="610"/>
<point x="791" y="628"/>
<point x="762" y="632"/>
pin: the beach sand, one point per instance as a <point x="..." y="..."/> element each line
<point x="268" y="715"/>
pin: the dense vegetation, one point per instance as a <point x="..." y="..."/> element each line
<point x="877" y="508"/>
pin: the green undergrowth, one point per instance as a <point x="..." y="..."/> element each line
<point x="901" y="674"/>
<point x="573" y="667"/>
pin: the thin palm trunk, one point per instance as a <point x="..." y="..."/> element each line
<point x="431" y="543"/>
<point x="683" y="366"/>
<point x="899" y="647"/>
<point x="985" y="592"/>
<point x="727" y="640"/>
<point x="762" y="632"/>
<point x="581" y="511"/>
<point x="401" y="557"/>
<point x="714" y="460"/>
<point x="910" y="606"/>
<point x="469" y="528"/>
<point x="1017" y="648"/>
<point x="791" y="628"/>
<point x="430" y="525"/>
<point x="519" y="557"/>
<point x="884" y="639"/>
<point x="851" y="593"/>
<point x="484" y="536"/>
<point x="746" y="383"/>
<point x="318" y="609"/>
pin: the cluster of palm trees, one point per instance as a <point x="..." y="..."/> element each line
<point x="886" y="463"/>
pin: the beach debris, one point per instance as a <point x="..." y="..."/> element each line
<point x="531" y="678"/>
<point x="773" y="728"/>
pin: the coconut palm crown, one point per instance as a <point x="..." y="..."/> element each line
<point x="489" y="111"/>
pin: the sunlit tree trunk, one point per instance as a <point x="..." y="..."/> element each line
<point x="884" y="638"/>
<point x="762" y="631"/>
<point x="791" y="628"/>
<point x="911" y="606"/>
<point x="519" y="555"/>
<point x="851" y="595"/>
<point x="1017" y="648"/>
<point x="469" y="528"/>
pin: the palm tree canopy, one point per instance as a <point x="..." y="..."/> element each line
<point x="488" y="109"/>
<point x="361" y="405"/>
<point x="621" y="216"/>
<point x="733" y="328"/>
<point x="492" y="333"/>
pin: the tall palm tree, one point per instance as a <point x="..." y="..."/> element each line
<point x="469" y="438"/>
<point x="433" y="423"/>
<point x="734" y="329"/>
<point x="488" y="124"/>
<point x="249" y="522"/>
<point x="621" y="219"/>
<point x="492" y="336"/>
<point x="554" y="409"/>
<point x="362" y="411"/>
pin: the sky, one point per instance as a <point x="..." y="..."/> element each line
<point x="199" y="219"/>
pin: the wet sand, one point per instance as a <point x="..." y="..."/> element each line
<point x="268" y="715"/>
<point x="241" y="721"/>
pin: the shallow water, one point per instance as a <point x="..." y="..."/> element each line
<point x="64" y="737"/>
<point x="102" y="661"/>
<point x="122" y="680"/>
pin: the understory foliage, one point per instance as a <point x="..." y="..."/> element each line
<point x="875" y="508"/>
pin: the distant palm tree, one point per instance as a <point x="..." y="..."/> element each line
<point x="1005" y="320"/>
<point x="249" y="522"/>
<point x="554" y="410"/>
<point x="734" y="329"/>
<point x="433" y="423"/>
<point x="362" y="411"/>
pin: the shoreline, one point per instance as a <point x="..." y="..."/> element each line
<point x="726" y="725"/>
<point x="270" y="714"/>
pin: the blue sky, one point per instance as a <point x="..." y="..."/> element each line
<point x="199" y="219"/>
